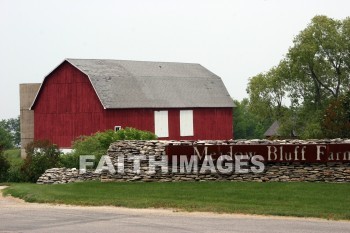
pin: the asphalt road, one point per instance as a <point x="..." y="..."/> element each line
<point x="17" y="216"/>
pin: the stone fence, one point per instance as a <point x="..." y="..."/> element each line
<point x="66" y="175"/>
<point x="277" y="171"/>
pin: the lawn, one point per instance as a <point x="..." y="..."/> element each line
<point x="323" y="200"/>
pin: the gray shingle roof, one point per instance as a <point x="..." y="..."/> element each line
<point x="140" y="84"/>
<point x="273" y="130"/>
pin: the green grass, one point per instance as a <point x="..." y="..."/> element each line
<point x="323" y="200"/>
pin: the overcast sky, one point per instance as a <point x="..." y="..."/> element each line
<point x="234" y="39"/>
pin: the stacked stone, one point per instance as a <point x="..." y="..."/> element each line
<point x="284" y="172"/>
<point x="130" y="149"/>
<point x="65" y="175"/>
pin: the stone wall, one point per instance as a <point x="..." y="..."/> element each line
<point x="329" y="172"/>
<point x="66" y="175"/>
<point x="285" y="172"/>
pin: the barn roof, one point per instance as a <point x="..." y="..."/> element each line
<point x="273" y="130"/>
<point x="142" y="84"/>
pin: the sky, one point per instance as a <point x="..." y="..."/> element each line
<point x="234" y="39"/>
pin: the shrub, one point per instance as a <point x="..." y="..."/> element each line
<point x="14" y="158"/>
<point x="14" y="172"/>
<point x="98" y="144"/>
<point x="4" y="166"/>
<point x="41" y="155"/>
<point x="70" y="160"/>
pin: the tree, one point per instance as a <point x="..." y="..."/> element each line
<point x="12" y="126"/>
<point x="267" y="92"/>
<point x="336" y="122"/>
<point x="319" y="61"/>
<point x="246" y="124"/>
<point x="314" y="74"/>
<point x="5" y="139"/>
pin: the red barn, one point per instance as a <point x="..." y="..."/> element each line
<point x="173" y="100"/>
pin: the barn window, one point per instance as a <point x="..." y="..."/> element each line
<point x="186" y="123"/>
<point x="161" y="126"/>
<point x="117" y="128"/>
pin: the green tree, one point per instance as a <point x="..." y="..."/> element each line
<point x="246" y="124"/>
<point x="5" y="139"/>
<point x="267" y="91"/>
<point x="336" y="122"/>
<point x="319" y="61"/>
<point x="314" y="73"/>
<point x="12" y="126"/>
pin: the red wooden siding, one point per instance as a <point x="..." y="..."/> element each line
<point x="68" y="107"/>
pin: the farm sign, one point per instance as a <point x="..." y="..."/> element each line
<point x="272" y="153"/>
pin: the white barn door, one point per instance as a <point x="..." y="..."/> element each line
<point x="161" y="124"/>
<point x="186" y="123"/>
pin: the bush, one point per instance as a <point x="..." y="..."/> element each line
<point x="70" y="160"/>
<point x="41" y="155"/>
<point x="98" y="144"/>
<point x="100" y="141"/>
<point x="16" y="162"/>
<point x="14" y="172"/>
<point x="4" y="166"/>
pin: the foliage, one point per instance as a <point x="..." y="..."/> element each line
<point x="247" y="125"/>
<point x="318" y="60"/>
<point x="69" y="160"/>
<point x="4" y="166"/>
<point x="313" y="75"/>
<point x="336" y="122"/>
<point x="5" y="139"/>
<point x="16" y="162"/>
<point x="98" y="144"/>
<point x="14" y="172"/>
<point x="274" y="198"/>
<point x="12" y="127"/>
<point x="41" y="155"/>
<point x="267" y="91"/>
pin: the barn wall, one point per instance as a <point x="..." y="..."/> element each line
<point x="208" y="123"/>
<point x="68" y="107"/>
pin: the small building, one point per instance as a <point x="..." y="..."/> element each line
<point x="173" y="100"/>
<point x="273" y="132"/>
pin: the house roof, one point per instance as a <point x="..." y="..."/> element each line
<point x="142" y="84"/>
<point x="273" y="130"/>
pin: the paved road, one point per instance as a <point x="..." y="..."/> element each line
<point x="17" y="216"/>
